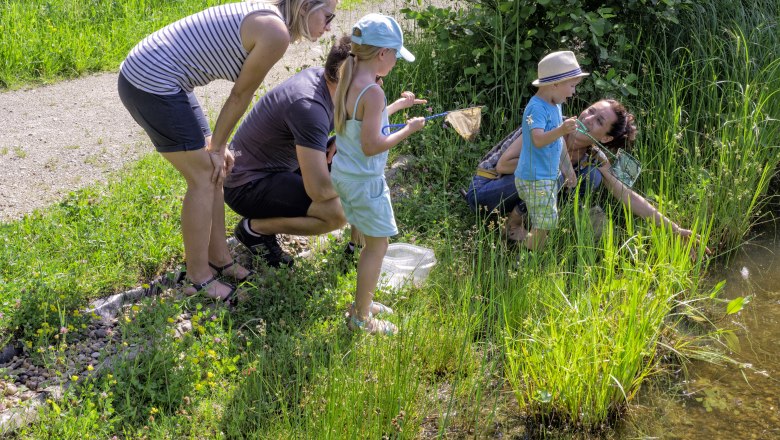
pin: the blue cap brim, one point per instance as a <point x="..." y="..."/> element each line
<point x="405" y="54"/>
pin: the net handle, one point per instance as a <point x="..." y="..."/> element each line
<point x="584" y="131"/>
<point x="392" y="128"/>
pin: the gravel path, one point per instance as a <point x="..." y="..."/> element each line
<point x="73" y="134"/>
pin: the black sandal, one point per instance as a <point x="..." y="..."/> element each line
<point x="201" y="287"/>
<point x="221" y="269"/>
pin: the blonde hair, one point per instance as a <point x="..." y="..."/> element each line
<point x="296" y="14"/>
<point x="359" y="52"/>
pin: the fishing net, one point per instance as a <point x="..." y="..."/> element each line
<point x="466" y="122"/>
<point x="624" y="166"/>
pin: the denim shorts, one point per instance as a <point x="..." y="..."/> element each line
<point x="367" y="205"/>
<point x="173" y="122"/>
<point x="540" y="199"/>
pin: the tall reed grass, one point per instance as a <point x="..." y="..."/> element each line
<point x="711" y="107"/>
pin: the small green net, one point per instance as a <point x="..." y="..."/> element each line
<point x="624" y="166"/>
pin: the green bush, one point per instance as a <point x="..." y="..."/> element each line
<point x="493" y="46"/>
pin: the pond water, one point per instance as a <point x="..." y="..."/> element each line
<point x="727" y="401"/>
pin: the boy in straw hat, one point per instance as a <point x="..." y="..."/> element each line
<point x="544" y="152"/>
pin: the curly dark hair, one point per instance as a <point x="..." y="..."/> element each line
<point x="338" y="53"/>
<point x="623" y="131"/>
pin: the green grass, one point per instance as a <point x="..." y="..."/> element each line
<point x="96" y="242"/>
<point x="44" y="41"/>
<point x="496" y="339"/>
<point x="716" y="142"/>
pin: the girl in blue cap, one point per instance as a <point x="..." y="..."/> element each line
<point x="361" y="111"/>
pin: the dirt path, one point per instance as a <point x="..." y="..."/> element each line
<point x="72" y="134"/>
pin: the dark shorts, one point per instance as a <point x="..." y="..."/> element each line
<point x="173" y="122"/>
<point x="276" y="195"/>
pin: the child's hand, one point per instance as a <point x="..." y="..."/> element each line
<point x="569" y="126"/>
<point x="408" y="99"/>
<point x="416" y="124"/>
<point x="570" y="180"/>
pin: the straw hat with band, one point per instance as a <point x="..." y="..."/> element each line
<point x="558" y="67"/>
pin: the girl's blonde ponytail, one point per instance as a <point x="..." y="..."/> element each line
<point x="360" y="52"/>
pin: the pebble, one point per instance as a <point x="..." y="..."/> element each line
<point x="10" y="390"/>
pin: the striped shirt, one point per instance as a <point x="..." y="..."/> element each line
<point x="193" y="51"/>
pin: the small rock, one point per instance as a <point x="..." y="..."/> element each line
<point x="184" y="327"/>
<point x="10" y="389"/>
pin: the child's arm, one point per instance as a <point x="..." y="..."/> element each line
<point x="406" y="100"/>
<point x="541" y="138"/>
<point x="372" y="140"/>
<point x="567" y="169"/>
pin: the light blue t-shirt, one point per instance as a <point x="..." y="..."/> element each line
<point x="540" y="163"/>
<point x="350" y="162"/>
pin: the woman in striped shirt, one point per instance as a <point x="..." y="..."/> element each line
<point x="239" y="42"/>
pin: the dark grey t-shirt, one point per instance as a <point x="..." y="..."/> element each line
<point x="298" y="111"/>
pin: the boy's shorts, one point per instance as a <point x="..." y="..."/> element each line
<point x="173" y="122"/>
<point x="367" y="205"/>
<point x="540" y="199"/>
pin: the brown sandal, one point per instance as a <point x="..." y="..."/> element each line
<point x="229" y="299"/>
<point x="221" y="269"/>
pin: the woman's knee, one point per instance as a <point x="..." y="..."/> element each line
<point x="195" y="166"/>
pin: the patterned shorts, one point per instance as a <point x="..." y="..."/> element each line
<point x="540" y="199"/>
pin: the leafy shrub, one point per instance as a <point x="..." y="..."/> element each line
<point x="492" y="47"/>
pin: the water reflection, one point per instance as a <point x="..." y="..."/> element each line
<point x="728" y="402"/>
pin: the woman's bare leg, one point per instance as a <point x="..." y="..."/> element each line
<point x="197" y="215"/>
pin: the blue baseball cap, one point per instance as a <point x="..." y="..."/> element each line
<point x="381" y="31"/>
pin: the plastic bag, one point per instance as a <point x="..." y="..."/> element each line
<point x="405" y="263"/>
